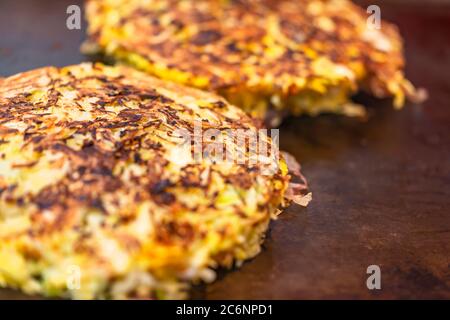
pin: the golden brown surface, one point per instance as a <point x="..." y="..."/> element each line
<point x="307" y="56"/>
<point x="92" y="175"/>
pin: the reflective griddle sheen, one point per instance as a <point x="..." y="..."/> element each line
<point x="381" y="188"/>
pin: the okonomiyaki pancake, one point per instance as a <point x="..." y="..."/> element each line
<point x="269" y="57"/>
<point x="97" y="198"/>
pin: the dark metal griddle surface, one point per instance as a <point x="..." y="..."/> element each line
<point x="381" y="188"/>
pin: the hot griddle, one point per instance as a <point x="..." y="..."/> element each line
<point x="381" y="188"/>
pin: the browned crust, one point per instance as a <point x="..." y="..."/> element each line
<point x="254" y="45"/>
<point x="110" y="138"/>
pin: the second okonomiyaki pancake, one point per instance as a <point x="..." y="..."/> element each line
<point x="269" y="57"/>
